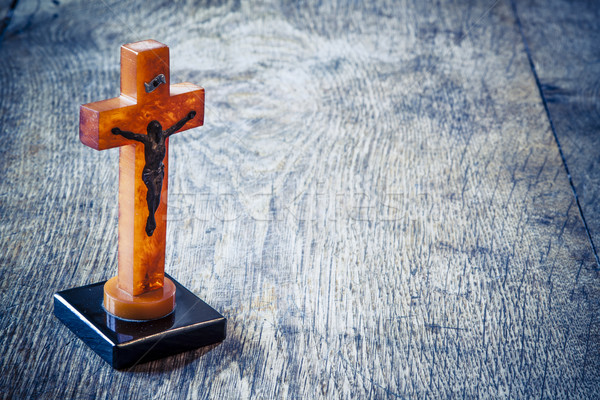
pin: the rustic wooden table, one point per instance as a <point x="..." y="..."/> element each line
<point x="387" y="200"/>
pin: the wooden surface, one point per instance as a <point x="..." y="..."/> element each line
<point x="563" y="38"/>
<point x="377" y="203"/>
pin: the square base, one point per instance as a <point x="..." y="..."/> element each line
<point x="121" y="343"/>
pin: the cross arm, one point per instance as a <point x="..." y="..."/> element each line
<point x="97" y="119"/>
<point x="180" y="123"/>
<point x="130" y="135"/>
<point x="185" y="97"/>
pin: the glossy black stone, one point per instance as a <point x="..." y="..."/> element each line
<point x="121" y="343"/>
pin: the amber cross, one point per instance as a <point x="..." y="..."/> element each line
<point x="134" y="122"/>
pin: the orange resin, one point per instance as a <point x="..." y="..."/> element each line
<point x="150" y="305"/>
<point x="141" y="257"/>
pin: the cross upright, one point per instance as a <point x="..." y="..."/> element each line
<point x="134" y="122"/>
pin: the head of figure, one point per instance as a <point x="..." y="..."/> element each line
<point x="154" y="130"/>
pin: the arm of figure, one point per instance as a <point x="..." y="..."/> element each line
<point x="129" y="135"/>
<point x="180" y="124"/>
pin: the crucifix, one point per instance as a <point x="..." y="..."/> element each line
<point x="133" y="122"/>
<point x="126" y="318"/>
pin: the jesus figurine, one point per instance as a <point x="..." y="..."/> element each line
<point x="154" y="154"/>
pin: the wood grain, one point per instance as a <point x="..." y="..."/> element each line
<point x="377" y="204"/>
<point x="563" y="40"/>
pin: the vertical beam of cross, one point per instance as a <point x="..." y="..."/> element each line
<point x="146" y="96"/>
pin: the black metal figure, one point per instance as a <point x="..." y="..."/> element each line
<point x="154" y="153"/>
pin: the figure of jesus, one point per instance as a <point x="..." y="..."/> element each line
<point x="154" y="154"/>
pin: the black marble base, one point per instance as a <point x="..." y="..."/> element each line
<point x="122" y="343"/>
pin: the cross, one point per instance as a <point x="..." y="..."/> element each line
<point x="134" y="122"/>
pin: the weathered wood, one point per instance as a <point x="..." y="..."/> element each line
<point x="563" y="38"/>
<point x="378" y="205"/>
